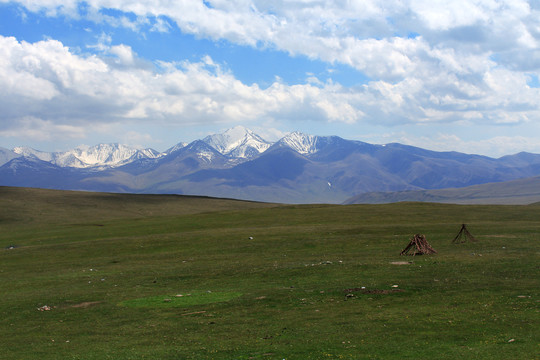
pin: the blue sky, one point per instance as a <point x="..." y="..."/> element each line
<point x="460" y="76"/>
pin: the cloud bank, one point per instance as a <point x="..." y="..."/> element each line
<point x="428" y="62"/>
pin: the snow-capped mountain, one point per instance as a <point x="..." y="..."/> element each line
<point x="238" y="142"/>
<point x="102" y="155"/>
<point x="29" y="152"/>
<point x="240" y="164"/>
<point x="7" y="155"/>
<point x="176" y="147"/>
<point x="302" y="143"/>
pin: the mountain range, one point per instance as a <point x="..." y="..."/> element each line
<point x="238" y="163"/>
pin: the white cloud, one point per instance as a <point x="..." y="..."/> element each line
<point x="137" y="139"/>
<point x="36" y="129"/>
<point x="466" y="61"/>
<point x="161" y="25"/>
<point x="444" y="15"/>
<point x="50" y="7"/>
<point x="360" y="34"/>
<point x="17" y="72"/>
<point x="64" y="88"/>
<point x="124" y="53"/>
<point x="46" y="80"/>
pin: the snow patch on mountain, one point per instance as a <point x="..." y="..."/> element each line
<point x="203" y="151"/>
<point x="238" y="142"/>
<point x="33" y="153"/>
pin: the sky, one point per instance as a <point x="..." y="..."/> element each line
<point x="457" y="75"/>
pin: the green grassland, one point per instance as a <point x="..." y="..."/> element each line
<point x="170" y="277"/>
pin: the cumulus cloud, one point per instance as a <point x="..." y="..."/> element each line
<point x="124" y="54"/>
<point x="46" y="81"/>
<point x="371" y="36"/>
<point x="326" y="28"/>
<point x="37" y="129"/>
<point x="466" y="62"/>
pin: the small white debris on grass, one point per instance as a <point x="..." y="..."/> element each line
<point x="395" y="286"/>
<point x="511" y="340"/>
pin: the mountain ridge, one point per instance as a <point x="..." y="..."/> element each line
<point x="298" y="168"/>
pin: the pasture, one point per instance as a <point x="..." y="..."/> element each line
<point x="107" y="276"/>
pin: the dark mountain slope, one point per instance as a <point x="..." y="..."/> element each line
<point x="32" y="172"/>
<point x="273" y="166"/>
<point x="515" y="192"/>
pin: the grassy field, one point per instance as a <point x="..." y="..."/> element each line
<point x="168" y="277"/>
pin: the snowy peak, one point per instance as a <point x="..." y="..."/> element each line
<point x="102" y="155"/>
<point x="301" y="143"/>
<point x="6" y="155"/>
<point x="176" y="147"/>
<point x="33" y="153"/>
<point x="36" y="154"/>
<point x="238" y="142"/>
<point x="197" y="155"/>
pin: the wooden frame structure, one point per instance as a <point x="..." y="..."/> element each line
<point x="463" y="236"/>
<point x="419" y="246"/>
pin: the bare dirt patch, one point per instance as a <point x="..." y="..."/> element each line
<point x="85" y="304"/>
<point x="373" y="291"/>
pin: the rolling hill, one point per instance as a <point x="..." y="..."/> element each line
<point x="516" y="192"/>
<point x="121" y="276"/>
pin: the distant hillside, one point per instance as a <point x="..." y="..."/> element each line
<point x="516" y="192"/>
<point x="45" y="206"/>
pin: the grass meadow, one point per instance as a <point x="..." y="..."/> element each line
<point x="108" y="276"/>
